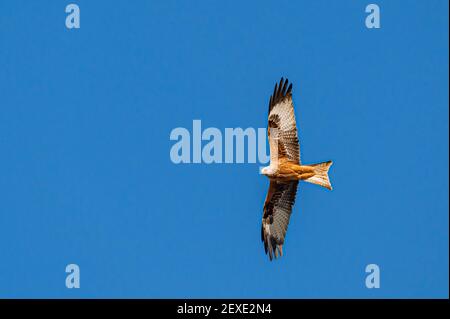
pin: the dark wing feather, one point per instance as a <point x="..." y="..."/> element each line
<point x="282" y="127"/>
<point x="280" y="93"/>
<point x="277" y="212"/>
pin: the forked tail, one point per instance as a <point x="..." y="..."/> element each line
<point x="321" y="174"/>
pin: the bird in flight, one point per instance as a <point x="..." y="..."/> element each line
<point x="285" y="170"/>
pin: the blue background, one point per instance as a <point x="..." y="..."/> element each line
<point x="86" y="176"/>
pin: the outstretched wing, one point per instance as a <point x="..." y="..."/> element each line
<point x="282" y="128"/>
<point x="277" y="212"/>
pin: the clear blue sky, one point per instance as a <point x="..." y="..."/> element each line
<point x="86" y="176"/>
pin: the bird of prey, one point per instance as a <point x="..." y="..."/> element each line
<point x="285" y="170"/>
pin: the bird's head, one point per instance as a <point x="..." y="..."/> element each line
<point x="267" y="171"/>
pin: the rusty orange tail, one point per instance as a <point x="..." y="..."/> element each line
<point x="321" y="175"/>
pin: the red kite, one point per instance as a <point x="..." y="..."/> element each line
<point x="285" y="170"/>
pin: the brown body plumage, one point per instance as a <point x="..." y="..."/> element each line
<point x="288" y="171"/>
